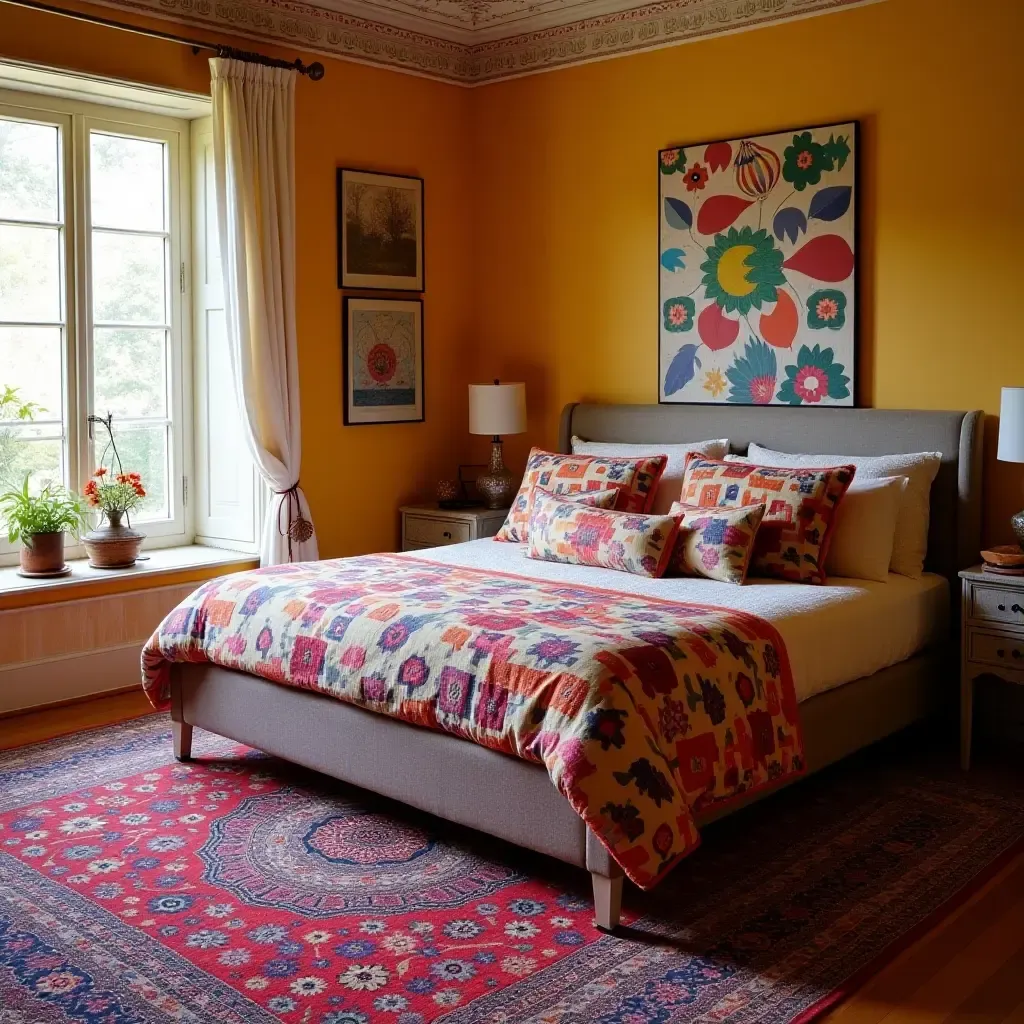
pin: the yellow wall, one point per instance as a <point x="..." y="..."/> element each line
<point x="357" y="116"/>
<point x="542" y="219"/>
<point x="566" y="215"/>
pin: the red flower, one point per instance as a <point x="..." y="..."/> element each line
<point x="696" y="178"/>
<point x="718" y="155"/>
<point x="762" y="389"/>
<point x="811" y="383"/>
<point x="101" y="471"/>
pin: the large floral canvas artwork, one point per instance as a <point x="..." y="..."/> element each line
<point x="757" y="269"/>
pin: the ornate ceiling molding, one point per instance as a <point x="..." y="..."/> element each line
<point x="471" y="42"/>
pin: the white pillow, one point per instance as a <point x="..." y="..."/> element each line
<point x="911" y="542"/>
<point x="865" y="529"/>
<point x="671" y="485"/>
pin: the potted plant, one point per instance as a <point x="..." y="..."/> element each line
<point x="40" y="521"/>
<point x="116" y="495"/>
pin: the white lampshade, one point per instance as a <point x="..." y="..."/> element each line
<point x="1011" y="426"/>
<point x="497" y="408"/>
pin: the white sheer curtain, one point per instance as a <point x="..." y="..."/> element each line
<point x="254" y="160"/>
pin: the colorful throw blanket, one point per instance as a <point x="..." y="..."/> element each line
<point x="642" y="710"/>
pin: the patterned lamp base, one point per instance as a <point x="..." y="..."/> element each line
<point x="1017" y="522"/>
<point x="496" y="485"/>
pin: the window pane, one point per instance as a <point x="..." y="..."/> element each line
<point x="128" y="279"/>
<point x="28" y="171"/>
<point x="29" y="273"/>
<point x="127" y="181"/>
<point x="143" y="450"/>
<point x="129" y="372"/>
<point x="20" y="455"/>
<point x="30" y="362"/>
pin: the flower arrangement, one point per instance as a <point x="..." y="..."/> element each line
<point x="122" y="494"/>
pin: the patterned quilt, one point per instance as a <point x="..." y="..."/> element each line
<point x="642" y="710"/>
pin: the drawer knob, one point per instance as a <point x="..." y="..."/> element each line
<point x="1002" y="607"/>
<point x="1017" y="608"/>
<point x="1016" y="654"/>
<point x="1000" y="652"/>
<point x="447" y="534"/>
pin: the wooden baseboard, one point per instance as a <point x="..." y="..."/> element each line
<point x="49" y="682"/>
<point x="68" y="701"/>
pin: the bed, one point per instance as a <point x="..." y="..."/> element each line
<point x="893" y="638"/>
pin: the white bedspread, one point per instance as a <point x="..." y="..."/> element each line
<point x="834" y="634"/>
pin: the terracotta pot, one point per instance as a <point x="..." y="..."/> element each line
<point x="113" y="546"/>
<point x="45" y="554"/>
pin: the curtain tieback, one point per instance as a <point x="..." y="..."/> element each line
<point x="290" y="522"/>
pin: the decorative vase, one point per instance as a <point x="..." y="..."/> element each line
<point x="496" y="485"/>
<point x="44" y="556"/>
<point x="113" y="546"/>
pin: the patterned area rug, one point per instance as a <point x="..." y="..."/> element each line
<point x="237" y="890"/>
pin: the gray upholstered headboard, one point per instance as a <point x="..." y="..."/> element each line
<point x="955" y="536"/>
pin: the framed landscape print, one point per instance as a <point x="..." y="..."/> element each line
<point x="757" y="269"/>
<point x="383" y="360"/>
<point x="380" y="231"/>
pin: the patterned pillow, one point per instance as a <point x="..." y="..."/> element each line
<point x="635" y="478"/>
<point x="591" y="499"/>
<point x="794" y="535"/>
<point x="716" y="543"/>
<point x="565" y="531"/>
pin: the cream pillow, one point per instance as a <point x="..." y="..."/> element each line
<point x="910" y="544"/>
<point x="865" y="529"/>
<point x="671" y="484"/>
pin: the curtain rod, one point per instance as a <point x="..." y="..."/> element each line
<point x="314" y="71"/>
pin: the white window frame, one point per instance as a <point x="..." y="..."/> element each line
<point x="74" y="121"/>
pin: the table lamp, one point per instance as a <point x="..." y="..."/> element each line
<point x="497" y="409"/>
<point x="1011" y="441"/>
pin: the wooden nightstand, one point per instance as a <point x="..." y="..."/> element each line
<point x="427" y="526"/>
<point x="992" y="639"/>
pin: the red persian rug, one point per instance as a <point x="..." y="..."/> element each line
<point x="238" y="890"/>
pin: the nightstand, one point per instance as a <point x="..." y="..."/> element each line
<point x="992" y="639"/>
<point x="428" y="526"/>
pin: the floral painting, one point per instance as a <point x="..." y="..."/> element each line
<point x="757" y="269"/>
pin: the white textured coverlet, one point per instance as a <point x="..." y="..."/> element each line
<point x="836" y="633"/>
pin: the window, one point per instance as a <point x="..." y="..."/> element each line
<point x="96" y="290"/>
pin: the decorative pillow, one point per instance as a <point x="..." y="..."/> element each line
<point x="635" y="479"/>
<point x="794" y="535"/>
<point x="910" y="545"/>
<point x="715" y="543"/>
<point x="565" y="531"/>
<point x="672" y="479"/>
<point x="592" y="499"/>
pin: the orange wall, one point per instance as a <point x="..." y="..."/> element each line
<point x="566" y="213"/>
<point x="357" y="116"/>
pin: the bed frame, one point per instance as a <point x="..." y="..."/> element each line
<point x="514" y="800"/>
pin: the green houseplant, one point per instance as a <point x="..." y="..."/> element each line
<point x="40" y="522"/>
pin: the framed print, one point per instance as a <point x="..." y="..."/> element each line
<point x="757" y="269"/>
<point x="383" y="360"/>
<point x="380" y="231"/>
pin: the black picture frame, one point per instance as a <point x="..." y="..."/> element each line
<point x="855" y="383"/>
<point x="356" y="263"/>
<point x="353" y="416"/>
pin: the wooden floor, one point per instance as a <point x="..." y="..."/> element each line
<point x="969" y="969"/>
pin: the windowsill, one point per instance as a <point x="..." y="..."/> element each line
<point x="191" y="561"/>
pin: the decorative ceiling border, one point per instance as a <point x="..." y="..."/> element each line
<point x="335" y="34"/>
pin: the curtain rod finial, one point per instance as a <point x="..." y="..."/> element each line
<point x="316" y="71"/>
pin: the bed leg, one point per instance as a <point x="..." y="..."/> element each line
<point x="182" y="733"/>
<point x="607" y="901"/>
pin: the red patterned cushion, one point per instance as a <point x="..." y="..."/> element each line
<point x="636" y="480"/>
<point x="800" y="506"/>
<point x="565" y="531"/>
<point x="715" y="542"/>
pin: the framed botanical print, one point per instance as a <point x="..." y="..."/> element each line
<point x="383" y="360"/>
<point x="757" y="269"/>
<point x="380" y="231"/>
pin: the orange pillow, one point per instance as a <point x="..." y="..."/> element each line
<point x="800" y="506"/>
<point x="636" y="480"/>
